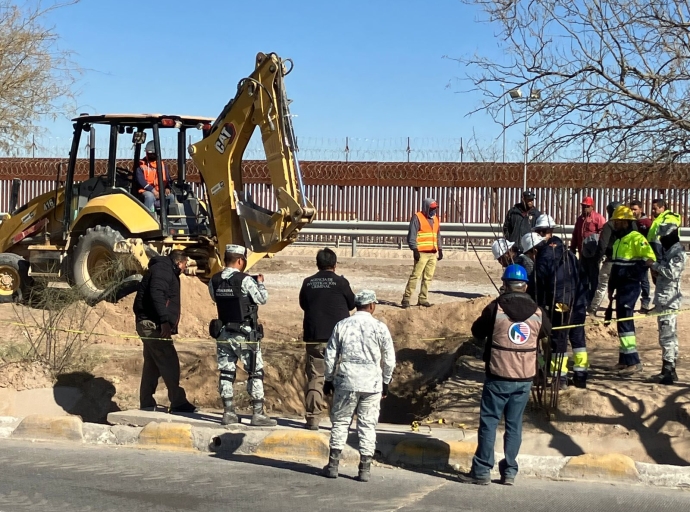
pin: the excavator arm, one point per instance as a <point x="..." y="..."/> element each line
<point x="260" y="101"/>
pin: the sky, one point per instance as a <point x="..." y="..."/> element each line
<point x="363" y="69"/>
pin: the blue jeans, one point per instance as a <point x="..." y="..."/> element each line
<point x="150" y="200"/>
<point x="500" y="397"/>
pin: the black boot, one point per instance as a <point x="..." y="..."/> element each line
<point x="364" y="468"/>
<point x="580" y="379"/>
<point x="331" y="469"/>
<point x="667" y="373"/>
<point x="259" y="418"/>
<point x="229" y="415"/>
<point x="673" y="373"/>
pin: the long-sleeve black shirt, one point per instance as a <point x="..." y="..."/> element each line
<point x="326" y="298"/>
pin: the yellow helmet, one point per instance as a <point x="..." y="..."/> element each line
<point x="623" y="213"/>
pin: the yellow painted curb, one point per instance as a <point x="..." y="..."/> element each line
<point x="168" y="436"/>
<point x="612" y="466"/>
<point x="39" y="426"/>
<point x="300" y="446"/>
<point x="433" y="453"/>
<point x="294" y="445"/>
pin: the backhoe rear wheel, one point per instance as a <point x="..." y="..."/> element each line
<point x="97" y="269"/>
<point x="14" y="278"/>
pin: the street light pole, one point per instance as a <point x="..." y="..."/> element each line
<point x="516" y="95"/>
<point x="524" y="172"/>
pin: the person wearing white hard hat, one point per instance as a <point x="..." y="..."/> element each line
<point x="560" y="290"/>
<point x="504" y="252"/>
<point x="545" y="226"/>
<point x="146" y="177"/>
<point x="530" y="243"/>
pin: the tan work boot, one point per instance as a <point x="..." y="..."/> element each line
<point x="259" y="418"/>
<point x="631" y="370"/>
<point x="229" y="415"/>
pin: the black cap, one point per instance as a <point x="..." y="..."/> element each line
<point x="528" y="194"/>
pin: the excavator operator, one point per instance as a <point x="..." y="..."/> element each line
<point x="146" y="177"/>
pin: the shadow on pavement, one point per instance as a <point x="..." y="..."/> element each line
<point x="96" y="399"/>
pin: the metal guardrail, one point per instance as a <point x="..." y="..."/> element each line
<point x="355" y="229"/>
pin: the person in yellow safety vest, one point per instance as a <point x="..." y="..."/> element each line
<point x="631" y="251"/>
<point x="146" y="177"/>
<point x="424" y="240"/>
<point x="661" y="215"/>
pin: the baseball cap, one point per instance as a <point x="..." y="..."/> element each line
<point x="528" y="194"/>
<point x="365" y="297"/>
<point x="587" y="201"/>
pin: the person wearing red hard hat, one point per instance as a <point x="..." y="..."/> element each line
<point x="584" y="243"/>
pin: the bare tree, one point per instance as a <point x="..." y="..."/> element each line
<point x="36" y="75"/>
<point x="613" y="75"/>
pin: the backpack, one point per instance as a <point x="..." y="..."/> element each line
<point x="590" y="245"/>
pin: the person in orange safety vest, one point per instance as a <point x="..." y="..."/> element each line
<point x="424" y="241"/>
<point x="146" y="177"/>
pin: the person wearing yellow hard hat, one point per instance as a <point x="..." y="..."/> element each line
<point x="631" y="251"/>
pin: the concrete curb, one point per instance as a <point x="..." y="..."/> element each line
<point x="167" y="436"/>
<point x="54" y="428"/>
<point x="295" y="444"/>
<point x="611" y="467"/>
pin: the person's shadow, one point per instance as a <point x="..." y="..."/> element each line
<point x="82" y="394"/>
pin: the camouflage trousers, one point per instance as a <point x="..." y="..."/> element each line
<point x="668" y="337"/>
<point x="229" y="352"/>
<point x="367" y="407"/>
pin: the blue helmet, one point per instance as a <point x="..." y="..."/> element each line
<point x="515" y="272"/>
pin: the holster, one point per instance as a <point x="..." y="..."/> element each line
<point x="215" y="327"/>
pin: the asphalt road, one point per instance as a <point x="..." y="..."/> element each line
<point x="38" y="477"/>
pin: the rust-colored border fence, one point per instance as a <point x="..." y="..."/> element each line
<point x="472" y="192"/>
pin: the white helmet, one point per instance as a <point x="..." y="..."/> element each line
<point x="500" y="247"/>
<point x="151" y="147"/>
<point x="530" y="241"/>
<point x="545" y="221"/>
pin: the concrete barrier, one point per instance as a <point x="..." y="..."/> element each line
<point x="39" y="426"/>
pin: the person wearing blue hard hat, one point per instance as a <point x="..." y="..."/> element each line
<point x="512" y="326"/>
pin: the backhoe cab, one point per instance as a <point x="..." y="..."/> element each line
<point x="95" y="232"/>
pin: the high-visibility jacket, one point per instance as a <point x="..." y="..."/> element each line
<point x="666" y="217"/>
<point x="630" y="253"/>
<point x="151" y="174"/>
<point x="427" y="236"/>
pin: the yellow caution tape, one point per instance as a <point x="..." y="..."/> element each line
<point x="208" y="340"/>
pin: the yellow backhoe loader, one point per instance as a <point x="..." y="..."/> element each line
<point x="82" y="233"/>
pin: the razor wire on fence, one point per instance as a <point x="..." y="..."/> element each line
<point x="336" y="149"/>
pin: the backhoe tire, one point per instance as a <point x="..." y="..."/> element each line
<point x="15" y="282"/>
<point x="96" y="268"/>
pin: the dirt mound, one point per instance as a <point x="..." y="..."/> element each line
<point x="25" y="375"/>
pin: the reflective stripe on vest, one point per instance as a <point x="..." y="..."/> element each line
<point x="514" y="346"/>
<point x="427" y="236"/>
<point x="151" y="174"/>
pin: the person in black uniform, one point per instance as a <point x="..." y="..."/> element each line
<point x="157" y="311"/>
<point x="326" y="298"/>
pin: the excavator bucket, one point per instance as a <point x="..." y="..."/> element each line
<point x="260" y="226"/>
